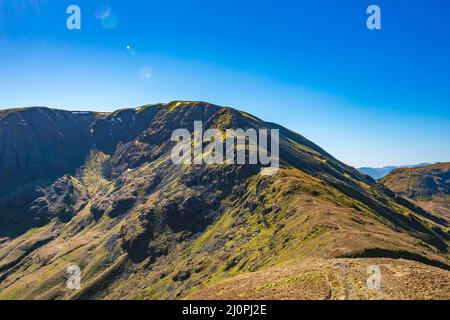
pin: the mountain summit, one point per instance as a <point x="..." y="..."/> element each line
<point x="100" y="191"/>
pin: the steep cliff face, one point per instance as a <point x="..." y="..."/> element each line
<point x="37" y="147"/>
<point x="108" y="197"/>
<point x="41" y="144"/>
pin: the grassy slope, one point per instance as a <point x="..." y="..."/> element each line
<point x="336" y="279"/>
<point x="428" y="186"/>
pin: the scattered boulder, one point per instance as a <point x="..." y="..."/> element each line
<point x="121" y="205"/>
<point x="135" y="238"/>
<point x="181" y="276"/>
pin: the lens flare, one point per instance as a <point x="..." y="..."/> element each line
<point x="131" y="51"/>
<point x="103" y="12"/>
<point x="145" y="73"/>
<point x="110" y="22"/>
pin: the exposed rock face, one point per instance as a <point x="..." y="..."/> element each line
<point x="41" y="144"/>
<point x="182" y="276"/>
<point x="101" y="191"/>
<point x="63" y="199"/>
<point x="136" y="236"/>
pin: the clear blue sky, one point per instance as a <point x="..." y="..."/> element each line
<point x="368" y="97"/>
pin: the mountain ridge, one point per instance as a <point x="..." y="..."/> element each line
<point x="141" y="227"/>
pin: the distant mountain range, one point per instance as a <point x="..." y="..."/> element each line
<point x="378" y="173"/>
<point x="100" y="191"/>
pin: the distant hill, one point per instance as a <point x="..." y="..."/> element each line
<point x="421" y="182"/>
<point x="428" y="185"/>
<point x="378" y="173"/>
